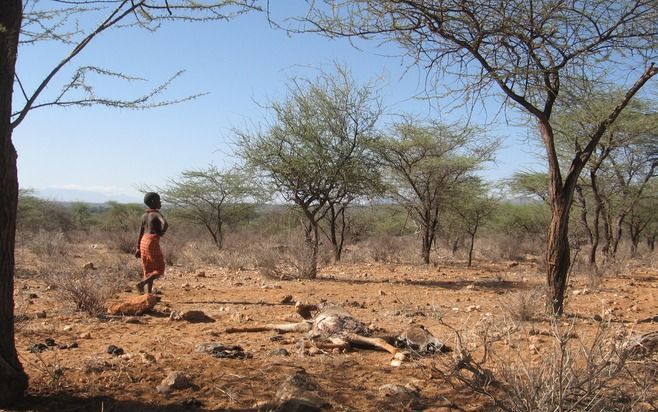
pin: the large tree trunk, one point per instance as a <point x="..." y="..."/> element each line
<point x="13" y="380"/>
<point x="558" y="253"/>
<point x="560" y="195"/>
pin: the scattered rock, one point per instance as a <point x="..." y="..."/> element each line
<point x="643" y="346"/>
<point x="201" y="274"/>
<point x="32" y="296"/>
<point x="147" y="358"/>
<point x="175" y="380"/>
<point x="382" y="293"/>
<point x="286" y="299"/>
<point x="420" y="340"/>
<point x="134" y="305"/>
<point x="230" y="352"/>
<point x="402" y="393"/>
<point x="279" y="352"/>
<point x="175" y="315"/>
<point x="598" y="318"/>
<point x="96" y="365"/>
<point x="64" y="346"/>
<point x="89" y="266"/>
<point x="50" y="342"/>
<point x="196" y="316"/>
<point x="67" y="328"/>
<point x="37" y="348"/>
<point x="85" y="335"/>
<point x="114" y="350"/>
<point x="299" y="393"/>
<point x="313" y="351"/>
<point x="219" y="350"/>
<point x="21" y="318"/>
<point x="40" y="315"/>
<point x="208" y="347"/>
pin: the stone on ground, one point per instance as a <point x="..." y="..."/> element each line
<point x="133" y="305"/>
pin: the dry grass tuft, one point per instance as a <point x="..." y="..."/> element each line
<point x="526" y="305"/>
<point x="89" y="290"/>
<point x="563" y="374"/>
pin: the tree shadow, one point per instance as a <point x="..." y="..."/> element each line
<point x="236" y="302"/>
<point x="494" y="284"/>
<point x="67" y="402"/>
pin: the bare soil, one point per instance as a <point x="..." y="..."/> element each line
<point x="389" y="296"/>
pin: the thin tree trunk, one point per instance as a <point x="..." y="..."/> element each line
<point x="470" y="250"/>
<point x="13" y="380"/>
<point x="651" y="242"/>
<point x="427" y="245"/>
<point x="312" y="240"/>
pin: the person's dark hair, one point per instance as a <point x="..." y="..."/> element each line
<point x="151" y="199"/>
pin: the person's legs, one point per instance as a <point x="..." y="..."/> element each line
<point x="149" y="282"/>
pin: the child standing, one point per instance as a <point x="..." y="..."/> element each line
<point x="153" y="227"/>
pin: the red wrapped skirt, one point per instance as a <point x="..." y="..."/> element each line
<point x="152" y="258"/>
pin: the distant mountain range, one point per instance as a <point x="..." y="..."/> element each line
<point x="72" y="195"/>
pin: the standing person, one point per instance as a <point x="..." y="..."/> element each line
<point x="153" y="227"/>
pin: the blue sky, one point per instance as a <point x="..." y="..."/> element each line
<point x="98" y="153"/>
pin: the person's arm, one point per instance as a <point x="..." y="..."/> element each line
<point x="138" y="253"/>
<point x="163" y="224"/>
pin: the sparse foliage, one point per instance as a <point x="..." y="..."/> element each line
<point x="315" y="153"/>
<point x="425" y="164"/>
<point x="209" y="197"/>
<point x="532" y="53"/>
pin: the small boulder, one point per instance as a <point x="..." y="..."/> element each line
<point x="114" y="350"/>
<point x="299" y="393"/>
<point x="133" y="305"/>
<point x="196" y="316"/>
<point x="175" y="380"/>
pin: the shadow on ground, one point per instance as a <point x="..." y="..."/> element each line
<point x="65" y="402"/>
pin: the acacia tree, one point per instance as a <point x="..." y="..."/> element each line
<point x="619" y="169"/>
<point x="472" y="206"/>
<point x="26" y="21"/>
<point x="642" y="220"/>
<point x="209" y="196"/>
<point x="528" y="51"/>
<point x="315" y="153"/>
<point x="425" y="165"/>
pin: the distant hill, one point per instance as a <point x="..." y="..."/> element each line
<point x="71" y="195"/>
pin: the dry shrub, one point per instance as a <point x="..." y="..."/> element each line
<point x="384" y="249"/>
<point x="50" y="244"/>
<point x="508" y="247"/>
<point x="122" y="241"/>
<point x="236" y="260"/>
<point x="89" y="290"/>
<point x="569" y="374"/>
<point x="526" y="305"/>
<point x="268" y="262"/>
<point x="300" y="257"/>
